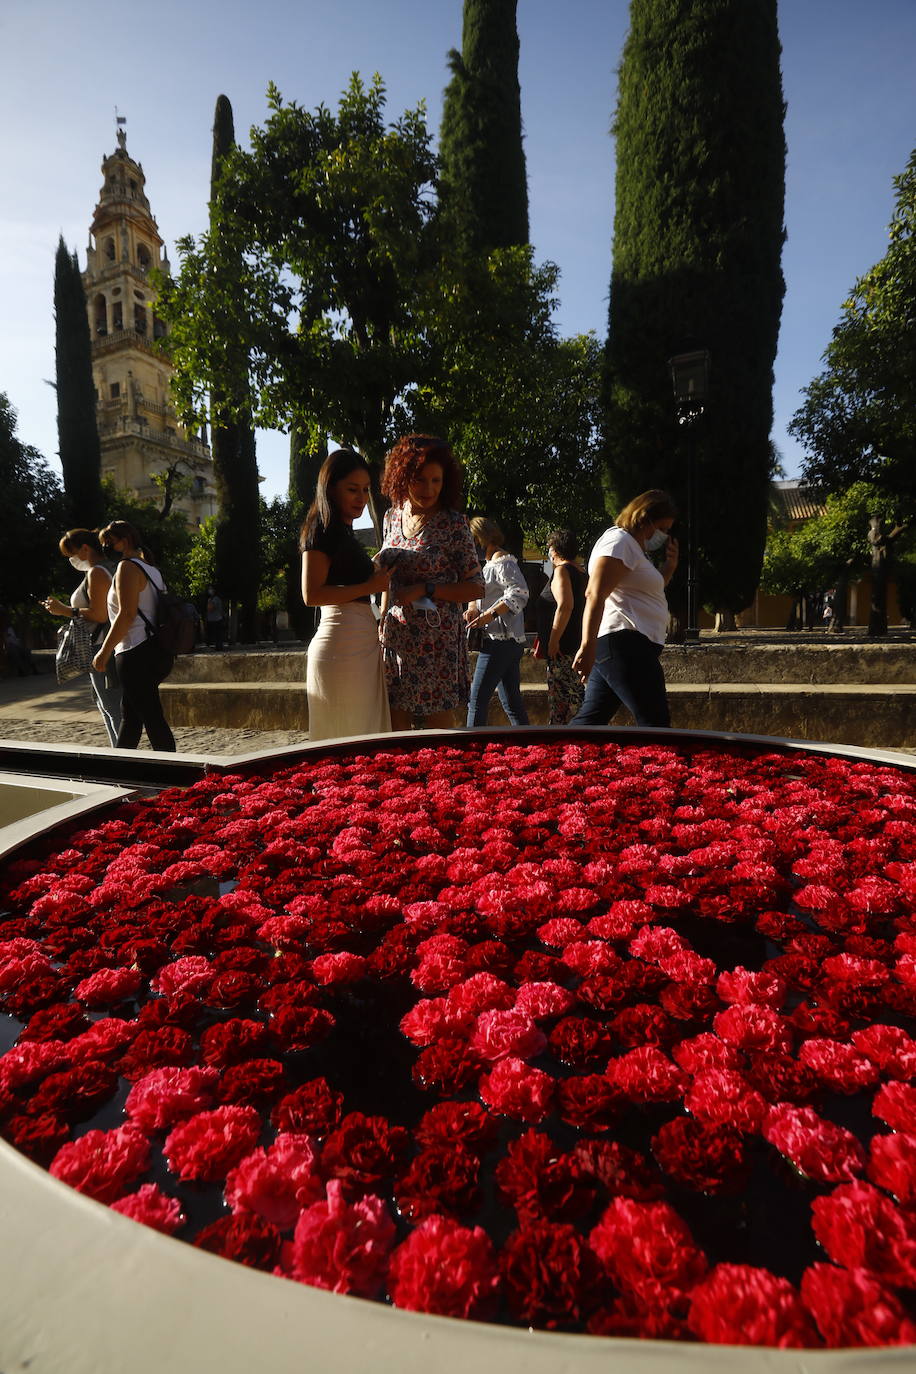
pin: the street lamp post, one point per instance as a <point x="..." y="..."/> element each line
<point x="690" y="378"/>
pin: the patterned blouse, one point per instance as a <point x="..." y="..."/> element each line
<point x="425" y="652"/>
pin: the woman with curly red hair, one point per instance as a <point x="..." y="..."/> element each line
<point x="435" y="571"/>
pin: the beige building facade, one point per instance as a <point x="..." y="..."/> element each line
<point x="138" y="428"/>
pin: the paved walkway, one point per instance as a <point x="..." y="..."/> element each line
<point x="37" y="710"/>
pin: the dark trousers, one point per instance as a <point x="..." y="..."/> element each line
<point x="498" y="671"/>
<point x="141" y="670"/>
<point x="627" y="672"/>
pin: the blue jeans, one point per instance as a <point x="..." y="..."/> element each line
<point x="627" y="672"/>
<point x="106" y="689"/>
<point x="498" y="671"/>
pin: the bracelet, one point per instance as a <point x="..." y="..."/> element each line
<point x="75" y="613"/>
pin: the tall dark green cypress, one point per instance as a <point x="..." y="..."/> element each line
<point x="698" y="235"/>
<point x="77" y="429"/>
<point x="484" y="185"/>
<point x="238" y="519"/>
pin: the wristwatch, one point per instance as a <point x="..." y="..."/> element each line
<point x="431" y="590"/>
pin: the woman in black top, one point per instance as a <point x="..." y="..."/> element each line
<point x="345" y="679"/>
<point x="559" y="620"/>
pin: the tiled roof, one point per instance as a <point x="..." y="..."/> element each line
<point x="795" y="501"/>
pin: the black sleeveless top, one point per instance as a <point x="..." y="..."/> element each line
<point x="546" y="608"/>
<point x="350" y="563"/>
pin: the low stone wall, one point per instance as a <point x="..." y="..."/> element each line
<point x="843" y="693"/>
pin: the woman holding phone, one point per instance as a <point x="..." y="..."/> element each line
<point x="345" y="679"/>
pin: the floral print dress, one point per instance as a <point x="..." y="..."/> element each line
<point x="425" y="652"/>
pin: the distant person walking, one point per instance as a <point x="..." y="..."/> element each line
<point x="345" y="679"/>
<point x="90" y="602"/>
<point x="216" y="620"/>
<point x="626" y="615"/>
<point x="560" y="608"/>
<point x="498" y="616"/>
<point x="141" y="661"/>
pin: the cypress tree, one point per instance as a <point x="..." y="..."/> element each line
<point x="484" y="186"/>
<point x="238" y="519"/>
<point x="77" y="429"/>
<point x="698" y="235"/>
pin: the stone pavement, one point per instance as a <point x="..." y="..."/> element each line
<point x="35" y="709"/>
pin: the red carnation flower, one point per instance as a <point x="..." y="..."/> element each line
<point x="647" y="1250"/>
<point x="192" y="974"/>
<point x="722" y="1097"/>
<point x="446" y="1269"/>
<point x="166" y="1096"/>
<point x="543" y="1182"/>
<point x="837" y="1065"/>
<point x="464" y="1123"/>
<point x="499" y="1034"/>
<point x="513" y="1088"/>
<point x="743" y="985"/>
<point x="102" y="1164"/>
<point x="153" y="1049"/>
<point x="442" y="1178"/>
<point x="852" y="1308"/>
<point x="817" y="1148"/>
<point x="363" y="1150"/>
<point x="206" y="1146"/>
<point x="246" y="1238"/>
<point x="588" y="1102"/>
<point x="343" y="1246"/>
<point x="39" y="1137"/>
<point x="895" y="1103"/>
<point x="551" y="1277"/>
<point x="542" y="1000"/>
<point x="108" y="986"/>
<point x="446" y="1067"/>
<point x="890" y="1048"/>
<point x="892" y="1165"/>
<point x="709" y="1159"/>
<point x="580" y="1042"/>
<point x="152" y="1207"/>
<point x="277" y="1183"/>
<point x="647" y="1075"/>
<point x="753" y="1028"/>
<point x="706" y="1051"/>
<point x="314" y="1109"/>
<point x="741" y="1305"/>
<point x="861" y="1228"/>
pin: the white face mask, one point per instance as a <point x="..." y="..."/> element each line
<point x="80" y="564"/>
<point x="656" y="541"/>
<point x="548" y="566"/>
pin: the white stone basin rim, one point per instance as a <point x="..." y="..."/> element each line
<point x="84" y="1290"/>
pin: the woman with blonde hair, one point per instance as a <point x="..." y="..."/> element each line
<point x="626" y="615"/>
<point x="498" y="616"/>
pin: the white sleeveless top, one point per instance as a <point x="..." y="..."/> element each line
<point x="138" y="632"/>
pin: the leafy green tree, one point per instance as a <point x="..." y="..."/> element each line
<point x="77" y="430"/>
<point x="201" y="564"/>
<point x="235" y="468"/>
<point x="519" y="404"/>
<point x="30" y="561"/>
<point x="858" y="421"/>
<point x="484" y="187"/>
<point x="329" y="219"/>
<point x="308" y="449"/>
<point x="698" y="235"/>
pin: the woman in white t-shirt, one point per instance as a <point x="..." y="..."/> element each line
<point x="142" y="664"/>
<point x="626" y="615"/>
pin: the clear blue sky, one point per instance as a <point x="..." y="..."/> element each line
<point x="848" y="75"/>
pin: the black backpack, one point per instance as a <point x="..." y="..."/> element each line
<point x="175" y="630"/>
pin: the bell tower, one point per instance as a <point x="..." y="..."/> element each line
<point x="138" y="428"/>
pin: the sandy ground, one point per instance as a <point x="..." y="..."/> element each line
<point x="37" y="710"/>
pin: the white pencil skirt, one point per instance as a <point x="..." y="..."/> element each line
<point x="345" y="678"/>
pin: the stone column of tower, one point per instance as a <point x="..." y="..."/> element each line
<point x="138" y="428"/>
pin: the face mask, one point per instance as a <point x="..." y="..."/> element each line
<point x="547" y="565"/>
<point x="656" y="541"/>
<point x="80" y="564"/>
